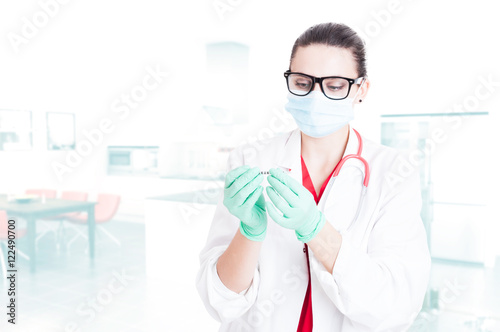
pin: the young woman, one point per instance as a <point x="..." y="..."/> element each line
<point x="339" y="243"/>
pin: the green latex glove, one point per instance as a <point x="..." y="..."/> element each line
<point x="296" y="203"/>
<point x="244" y="199"/>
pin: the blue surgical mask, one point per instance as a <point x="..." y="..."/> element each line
<point x="318" y="116"/>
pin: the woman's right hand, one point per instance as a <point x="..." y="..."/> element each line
<point x="244" y="199"/>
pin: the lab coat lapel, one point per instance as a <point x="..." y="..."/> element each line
<point x="340" y="199"/>
<point x="289" y="156"/>
<point x="341" y="196"/>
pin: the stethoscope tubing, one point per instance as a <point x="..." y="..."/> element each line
<point x="366" y="177"/>
<point x="355" y="156"/>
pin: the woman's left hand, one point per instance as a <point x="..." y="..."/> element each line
<point x="296" y="204"/>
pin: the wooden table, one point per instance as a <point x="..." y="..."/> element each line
<point x="36" y="209"/>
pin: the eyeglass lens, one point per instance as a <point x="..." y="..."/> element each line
<point x="333" y="87"/>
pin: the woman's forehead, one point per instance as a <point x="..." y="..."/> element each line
<point x="324" y="60"/>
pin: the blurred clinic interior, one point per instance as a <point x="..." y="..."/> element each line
<point x="117" y="118"/>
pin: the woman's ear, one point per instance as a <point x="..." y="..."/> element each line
<point x="364" y="90"/>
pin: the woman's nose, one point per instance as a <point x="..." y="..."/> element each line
<point x="316" y="87"/>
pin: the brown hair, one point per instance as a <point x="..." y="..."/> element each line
<point x="334" y="34"/>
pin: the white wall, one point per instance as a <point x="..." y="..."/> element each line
<point x="426" y="56"/>
<point x="91" y="52"/>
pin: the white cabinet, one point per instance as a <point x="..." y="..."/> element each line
<point x="176" y="231"/>
<point x="135" y="189"/>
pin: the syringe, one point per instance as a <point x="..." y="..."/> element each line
<point x="283" y="168"/>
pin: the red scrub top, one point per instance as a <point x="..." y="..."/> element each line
<point x="306" y="316"/>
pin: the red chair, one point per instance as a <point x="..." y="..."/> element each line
<point x="58" y="230"/>
<point x="70" y="196"/>
<point x="48" y="193"/>
<point x="105" y="210"/>
<point x="4" y="237"/>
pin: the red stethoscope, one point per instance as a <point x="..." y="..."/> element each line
<point x="339" y="167"/>
<point x="355" y="156"/>
<point x="366" y="176"/>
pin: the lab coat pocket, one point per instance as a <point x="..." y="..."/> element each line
<point x="343" y="198"/>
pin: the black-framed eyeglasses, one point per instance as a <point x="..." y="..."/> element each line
<point x="333" y="87"/>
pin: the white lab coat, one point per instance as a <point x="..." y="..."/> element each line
<point x="382" y="269"/>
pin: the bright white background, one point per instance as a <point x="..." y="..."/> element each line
<point x="425" y="57"/>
